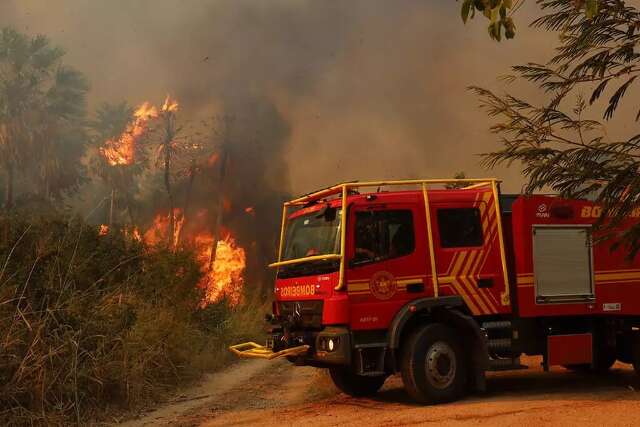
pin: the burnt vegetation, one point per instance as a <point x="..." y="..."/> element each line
<point x="95" y="325"/>
<point x="123" y="245"/>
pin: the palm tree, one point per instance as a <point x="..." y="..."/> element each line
<point x="63" y="137"/>
<point x="42" y="105"/>
<point x="167" y="150"/>
<point x="112" y="121"/>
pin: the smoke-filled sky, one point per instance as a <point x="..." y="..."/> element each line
<point x="333" y="90"/>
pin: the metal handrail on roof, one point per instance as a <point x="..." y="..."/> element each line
<point x="338" y="188"/>
<point x="343" y="190"/>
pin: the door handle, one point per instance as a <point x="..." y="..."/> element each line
<point x="485" y="283"/>
<point x="415" y="287"/>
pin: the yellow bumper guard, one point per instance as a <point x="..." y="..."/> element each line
<point x="257" y="351"/>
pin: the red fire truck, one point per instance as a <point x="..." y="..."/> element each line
<point x="443" y="280"/>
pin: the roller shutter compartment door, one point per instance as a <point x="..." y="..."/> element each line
<point x="562" y="264"/>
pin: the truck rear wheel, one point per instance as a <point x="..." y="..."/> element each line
<point x="355" y="385"/>
<point x="434" y="368"/>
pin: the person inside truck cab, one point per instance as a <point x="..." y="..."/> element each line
<point x="402" y="242"/>
<point x="383" y="235"/>
<point x="365" y="239"/>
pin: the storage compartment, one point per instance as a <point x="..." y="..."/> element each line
<point x="562" y="264"/>
<point x="576" y="349"/>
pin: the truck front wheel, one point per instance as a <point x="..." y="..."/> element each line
<point x="355" y="385"/>
<point x="434" y="368"/>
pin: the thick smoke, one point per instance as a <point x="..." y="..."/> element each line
<point x="321" y="91"/>
<point x="369" y="89"/>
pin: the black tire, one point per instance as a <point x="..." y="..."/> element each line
<point x="355" y="385"/>
<point x="434" y="367"/>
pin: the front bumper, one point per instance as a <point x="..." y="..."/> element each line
<point x="257" y="351"/>
<point x="328" y="347"/>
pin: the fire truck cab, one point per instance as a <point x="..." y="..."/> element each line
<point x="443" y="280"/>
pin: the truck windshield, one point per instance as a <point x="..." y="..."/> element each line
<point x="314" y="234"/>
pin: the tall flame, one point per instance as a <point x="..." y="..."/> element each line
<point x="159" y="230"/>
<point x="121" y="151"/>
<point x="223" y="277"/>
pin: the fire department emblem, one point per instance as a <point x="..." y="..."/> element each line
<point x="383" y="285"/>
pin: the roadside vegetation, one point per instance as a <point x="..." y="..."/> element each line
<point x="96" y="323"/>
<point x="123" y="246"/>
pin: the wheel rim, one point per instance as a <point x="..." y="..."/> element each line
<point x="440" y="365"/>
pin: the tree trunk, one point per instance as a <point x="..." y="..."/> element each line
<point x="8" y="204"/>
<point x="167" y="186"/>
<point x="127" y="198"/>
<point x="224" y="158"/>
<point x="187" y="200"/>
<point x="112" y="207"/>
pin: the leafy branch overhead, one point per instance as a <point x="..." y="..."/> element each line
<point x="500" y="13"/>
<point x="562" y="148"/>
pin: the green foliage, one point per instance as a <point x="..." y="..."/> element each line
<point x="499" y="12"/>
<point x="559" y="147"/>
<point x="457" y="175"/>
<point x="496" y="11"/>
<point x="90" y="323"/>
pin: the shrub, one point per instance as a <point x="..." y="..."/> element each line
<point x="90" y="323"/>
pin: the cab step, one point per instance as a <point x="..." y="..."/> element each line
<point x="499" y="344"/>
<point x="370" y="358"/>
<point x="499" y="324"/>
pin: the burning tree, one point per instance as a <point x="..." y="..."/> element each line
<point x="222" y="127"/>
<point x="180" y="158"/>
<point x="224" y="277"/>
<point x="119" y="131"/>
<point x="167" y="149"/>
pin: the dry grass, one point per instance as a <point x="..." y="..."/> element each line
<point x="92" y="324"/>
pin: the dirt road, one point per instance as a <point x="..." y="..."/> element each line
<point x="276" y="394"/>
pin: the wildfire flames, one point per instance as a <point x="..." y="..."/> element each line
<point x="103" y="230"/>
<point x="222" y="276"/>
<point x="170" y="105"/>
<point x="158" y="231"/>
<point x="121" y="151"/>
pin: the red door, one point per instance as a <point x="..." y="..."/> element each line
<point x="386" y="261"/>
<point x="467" y="248"/>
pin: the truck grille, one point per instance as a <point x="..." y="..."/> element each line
<point x="307" y="314"/>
